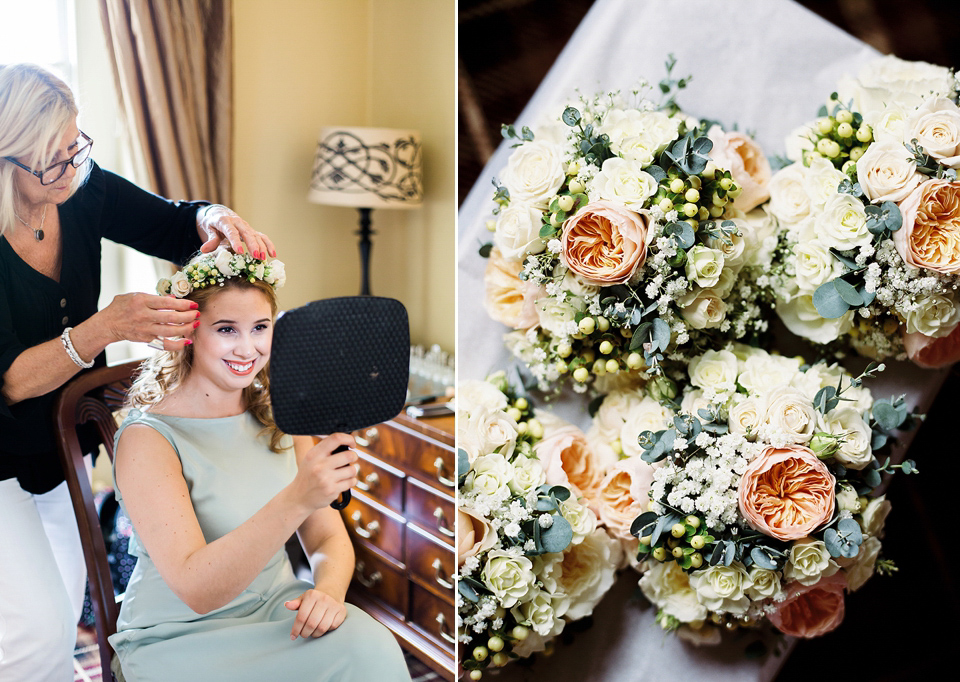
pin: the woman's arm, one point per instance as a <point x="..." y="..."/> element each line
<point x="328" y="548"/>
<point x="208" y="576"/>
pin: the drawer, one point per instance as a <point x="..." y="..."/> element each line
<point x="433" y="616"/>
<point x="380" y="481"/>
<point x="430" y="561"/>
<point x="430" y="510"/>
<point x="429" y="459"/>
<point x="370" y="522"/>
<point x="378" y="578"/>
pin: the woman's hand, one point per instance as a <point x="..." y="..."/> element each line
<point x="322" y="474"/>
<point x="145" y="317"/>
<point x="317" y="614"/>
<point x="217" y="223"/>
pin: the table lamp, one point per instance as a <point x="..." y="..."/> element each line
<point x="367" y="168"/>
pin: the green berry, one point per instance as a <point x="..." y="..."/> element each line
<point x="581" y="374"/>
<point x="845" y="116"/>
<point x="605" y="347"/>
<point x="824" y="125"/>
<point x="587" y="325"/>
<point x="845" y="130"/>
<point x="864" y="134"/>
<point x="613" y="366"/>
<point x="677" y="552"/>
<point x="676" y="185"/>
<point x="481" y="653"/>
<point x="495" y="643"/>
<point x="520" y="633"/>
<point x="678" y="530"/>
<point x="476" y="674"/>
<point x="565" y="203"/>
<point x="603" y="324"/>
<point x="522" y="404"/>
<point x="660" y="554"/>
<point x="696" y="560"/>
<point x="690" y="210"/>
<point x="692" y="195"/>
<point x="634" y="360"/>
<point x="697" y="542"/>
<point x="692" y="521"/>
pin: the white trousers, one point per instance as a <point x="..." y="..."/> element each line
<point x="42" y="581"/>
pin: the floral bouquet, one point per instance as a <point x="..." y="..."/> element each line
<point x="870" y="217"/>
<point x="620" y="238"/>
<point x="760" y="494"/>
<point x="530" y="555"/>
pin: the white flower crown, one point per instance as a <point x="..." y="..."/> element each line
<point x="215" y="268"/>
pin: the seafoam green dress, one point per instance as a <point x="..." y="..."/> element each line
<point x="231" y="473"/>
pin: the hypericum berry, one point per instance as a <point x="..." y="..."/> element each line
<point x="845" y="116"/>
<point x="677" y="552"/>
<point x="690" y="210"/>
<point x="676" y="185"/>
<point x="845" y="130"/>
<point x="696" y="560"/>
<point x="564" y="350"/>
<point x="726" y="183"/>
<point x="520" y="632"/>
<point x="603" y="324"/>
<point x="856" y="153"/>
<point x="476" y="675"/>
<point x="562" y="367"/>
<point x="634" y="360"/>
<point x="692" y="521"/>
<point x="665" y="205"/>
<point x="599" y="368"/>
<point x="613" y="366"/>
<point x="697" y="542"/>
<point x="576" y="187"/>
<point x="495" y="643"/>
<point x="565" y="202"/>
<point x="522" y="403"/>
<point x="500" y="659"/>
<point x="659" y="553"/>
<point x="587" y="325"/>
<point x="824" y="125"/>
<point x="864" y="134"/>
<point x="514" y="414"/>
<point x="481" y="653"/>
<point x="692" y="195"/>
<point x="645" y="540"/>
<point x="606" y="347"/>
<point x="678" y="530"/>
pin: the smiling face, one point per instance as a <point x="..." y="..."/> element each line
<point x="232" y="343"/>
<point x="28" y="185"/>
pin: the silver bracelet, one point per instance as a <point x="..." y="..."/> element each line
<point x="71" y="351"/>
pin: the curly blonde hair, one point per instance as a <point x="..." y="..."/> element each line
<point x="166" y="371"/>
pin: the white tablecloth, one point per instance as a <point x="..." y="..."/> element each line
<point x="767" y="66"/>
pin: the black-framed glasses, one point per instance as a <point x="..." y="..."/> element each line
<point x="56" y="171"/>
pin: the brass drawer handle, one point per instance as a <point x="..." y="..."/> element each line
<point x="442" y="622"/>
<point x="439" y="577"/>
<point x="439" y="466"/>
<point x="367" y="532"/>
<point x="441" y="526"/>
<point x="374" y="578"/>
<point x="368" y="483"/>
<point x="369" y="437"/>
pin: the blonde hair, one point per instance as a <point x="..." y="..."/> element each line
<point x="36" y="108"/>
<point x="166" y="371"/>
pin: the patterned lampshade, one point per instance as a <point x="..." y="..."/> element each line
<point x="367" y="168"/>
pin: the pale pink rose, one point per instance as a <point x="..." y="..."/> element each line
<point x="740" y="155"/>
<point x="509" y="300"/>
<point x="604" y="243"/>
<point x="930" y="235"/>
<point x="623" y="495"/>
<point x="932" y="353"/>
<point x="568" y="460"/>
<point x="474" y="535"/>
<point x="811" y="610"/>
<point x="786" y="493"/>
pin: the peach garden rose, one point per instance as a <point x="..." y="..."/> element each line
<point x="786" y="493"/>
<point x="605" y="243"/>
<point x="930" y="235"/>
<point x="568" y="459"/>
<point x="746" y="162"/>
<point x="508" y="299"/>
<point x="474" y="535"/>
<point x="811" y="610"/>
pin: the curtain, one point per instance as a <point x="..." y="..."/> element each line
<point x="173" y="63"/>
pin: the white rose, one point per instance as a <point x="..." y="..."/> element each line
<point x="491" y="473"/>
<point x="766" y="584"/>
<point x="534" y="173"/>
<point x="847" y="499"/>
<point x="528" y="475"/>
<point x="702" y="308"/>
<point x="539" y="614"/>
<point x="888" y="123"/>
<point x="843" y="223"/>
<point x="875" y="516"/>
<point x="223" y="263"/>
<point x="639" y="135"/>
<point x="732" y="246"/>
<point x="693" y="401"/>
<point x="798" y="141"/>
<point x="855" y="451"/>
<point x="518" y="231"/>
<point x="648" y="415"/>
<point x="800" y="316"/>
<point x="789" y="198"/>
<point x="815" y="265"/>
<point x="475" y="395"/>
<point x="612" y="414"/>
<point x="936" y="126"/>
<point x="889" y="79"/>
<point x="762" y="371"/>
<point x="936" y="316"/>
<point x="278" y="274"/>
<point x="667" y="586"/>
<point x="746" y="416"/>
<point x="821" y="180"/>
<point x="259" y="270"/>
<point x="581" y="518"/>
<point x="808" y="561"/>
<point x="624" y="181"/>
<point x="163" y="287"/>
<point x="886" y="173"/>
<point x="704" y="265"/>
<point x="510" y="578"/>
<point x="555" y="316"/>
<point x="760" y="236"/>
<point x="588" y="572"/>
<point x="791" y="414"/>
<point x="714" y="371"/>
<point x="862" y="568"/>
<point x="722" y="589"/>
<point x="179" y="284"/>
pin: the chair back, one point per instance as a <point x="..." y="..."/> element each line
<point x="93" y="397"/>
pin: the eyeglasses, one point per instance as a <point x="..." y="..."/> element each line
<point x="56" y="171"/>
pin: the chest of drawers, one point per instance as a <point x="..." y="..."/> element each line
<point x="401" y="521"/>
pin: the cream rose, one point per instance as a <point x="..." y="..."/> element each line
<point x="936" y="126"/>
<point x="179" y="284"/>
<point x="889" y="79"/>
<point x="704" y="265"/>
<point x="702" y="308"/>
<point x="588" y="571"/>
<point x="936" y="316"/>
<point x="762" y="371"/>
<point x="475" y="535"/>
<point x="624" y="181"/>
<point x="930" y="235"/>
<point x="277" y="276"/>
<point x="479" y="396"/>
<point x="888" y="123"/>
<point x="746" y="416"/>
<point x="612" y="414"/>
<point x="510" y="578"/>
<point x="604" y="243"/>
<point x="722" y="589"/>
<point x="886" y="173"/>
<point x="808" y="561"/>
<point x="623" y="495"/>
<point x="766" y="584"/>
<point x="790" y="414"/>
<point x="164" y="287"/>
<point x="528" y="475"/>
<point x="491" y="474"/>
<point x="667" y="586"/>
<point x="800" y="316"/>
<point x="582" y="519"/>
<point x="855" y="451"/>
<point x="714" y="371"/>
<point x="874" y="516"/>
<point x="862" y="568"/>
<point x="815" y="265"/>
<point x="746" y="162"/>
<point x="534" y="173"/>
<point x="821" y="180"/>
<point x="647" y="415"/>
<point x="843" y="223"/>
<point x="222" y="262"/>
<point x="734" y="246"/>
<point x="518" y="231"/>
<point x="539" y="614"/>
<point x="556" y="316"/>
<point x="639" y="135"/>
<point x="508" y="299"/>
<point x="789" y="199"/>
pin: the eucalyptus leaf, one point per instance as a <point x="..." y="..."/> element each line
<point x="463" y="462"/>
<point x="545" y="504"/>
<point x="560" y="492"/>
<point x="762" y="559"/>
<point x="657" y="172"/>
<point x="642" y="523"/>
<point x="886" y="415"/>
<point x="570" y="116"/>
<point x="828" y="302"/>
<point x="848" y="293"/>
<point x="486" y="249"/>
<point x="826" y="399"/>
<point x="557" y="537"/>
<point x="730" y="553"/>
<point x="872" y="478"/>
<point x="467" y="592"/>
<point x="878" y="440"/>
<point x="847" y="261"/>
<point x="867" y="296"/>
<point x="661" y="334"/>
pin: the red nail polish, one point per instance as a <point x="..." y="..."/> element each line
<point x="196" y="324"/>
<point x="198" y="315"/>
<point x="189" y="342"/>
<point x="194" y="306"/>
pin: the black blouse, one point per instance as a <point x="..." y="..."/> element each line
<point x="35" y="308"/>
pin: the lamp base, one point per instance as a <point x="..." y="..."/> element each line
<point x="365" y="245"/>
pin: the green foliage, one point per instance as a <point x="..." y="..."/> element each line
<point x="689" y="154"/>
<point x="656" y="446"/>
<point x="927" y="165"/>
<point x="884" y="219"/>
<point x="670" y="87"/>
<point x="557" y="537"/>
<point x="463" y="466"/>
<point x="844" y="540"/>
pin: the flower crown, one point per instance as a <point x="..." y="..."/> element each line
<point x="215" y="268"/>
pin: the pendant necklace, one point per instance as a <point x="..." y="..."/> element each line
<point x="37" y="232"/>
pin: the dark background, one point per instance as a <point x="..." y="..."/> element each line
<point x="897" y="628"/>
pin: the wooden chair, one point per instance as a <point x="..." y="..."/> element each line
<point x="93" y="398"/>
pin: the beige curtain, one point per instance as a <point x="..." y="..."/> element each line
<point x="173" y="62"/>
